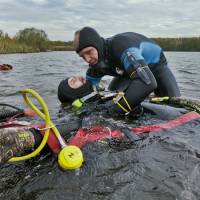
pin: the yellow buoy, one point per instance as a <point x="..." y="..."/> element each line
<point x="70" y="157"/>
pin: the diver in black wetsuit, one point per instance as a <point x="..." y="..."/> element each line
<point x="137" y="63"/>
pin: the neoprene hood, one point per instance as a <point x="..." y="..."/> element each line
<point x="90" y="38"/>
<point x="66" y="94"/>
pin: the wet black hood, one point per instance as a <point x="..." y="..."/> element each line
<point x="66" y="94"/>
<point x="90" y="38"/>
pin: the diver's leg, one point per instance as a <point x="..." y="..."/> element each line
<point x="14" y="141"/>
<point x="136" y="92"/>
<point x="167" y="85"/>
<point x="119" y="84"/>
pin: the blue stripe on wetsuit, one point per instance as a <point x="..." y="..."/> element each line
<point x="93" y="80"/>
<point x="148" y="52"/>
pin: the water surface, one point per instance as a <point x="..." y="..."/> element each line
<point x="163" y="166"/>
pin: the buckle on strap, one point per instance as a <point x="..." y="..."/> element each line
<point x="120" y="95"/>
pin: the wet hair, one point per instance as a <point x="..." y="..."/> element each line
<point x="66" y="94"/>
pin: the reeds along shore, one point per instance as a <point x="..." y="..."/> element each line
<point x="10" y="45"/>
<point x="34" y="40"/>
<point x="31" y="40"/>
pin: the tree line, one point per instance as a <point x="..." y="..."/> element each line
<point x="31" y="40"/>
<point x="35" y="40"/>
<point x="179" y="44"/>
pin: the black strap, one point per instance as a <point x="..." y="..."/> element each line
<point x="137" y="68"/>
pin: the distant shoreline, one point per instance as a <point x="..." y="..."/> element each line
<point x="33" y="52"/>
<point x="73" y="50"/>
<point x="9" y="45"/>
<point x="32" y="40"/>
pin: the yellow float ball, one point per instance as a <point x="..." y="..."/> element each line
<point x="70" y="157"/>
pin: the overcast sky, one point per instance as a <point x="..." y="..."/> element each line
<point x="60" y="18"/>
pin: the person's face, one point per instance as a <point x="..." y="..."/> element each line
<point x="90" y="55"/>
<point x="76" y="81"/>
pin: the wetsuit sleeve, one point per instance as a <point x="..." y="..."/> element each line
<point x="138" y="59"/>
<point x="134" y="65"/>
<point x="93" y="76"/>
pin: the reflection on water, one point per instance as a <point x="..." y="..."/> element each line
<point x="163" y="166"/>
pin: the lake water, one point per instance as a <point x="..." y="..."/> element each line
<point x="166" y="167"/>
<point x="43" y="72"/>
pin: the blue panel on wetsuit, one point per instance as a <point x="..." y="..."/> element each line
<point x="124" y="58"/>
<point x="93" y="80"/>
<point x="150" y="52"/>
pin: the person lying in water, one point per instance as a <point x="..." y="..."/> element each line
<point x="76" y="91"/>
<point x="119" y="99"/>
<point x="18" y="138"/>
<point x="77" y="87"/>
<point x="15" y="140"/>
<point x="129" y="57"/>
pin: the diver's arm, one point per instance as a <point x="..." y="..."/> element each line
<point x="134" y="64"/>
<point x="14" y="111"/>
